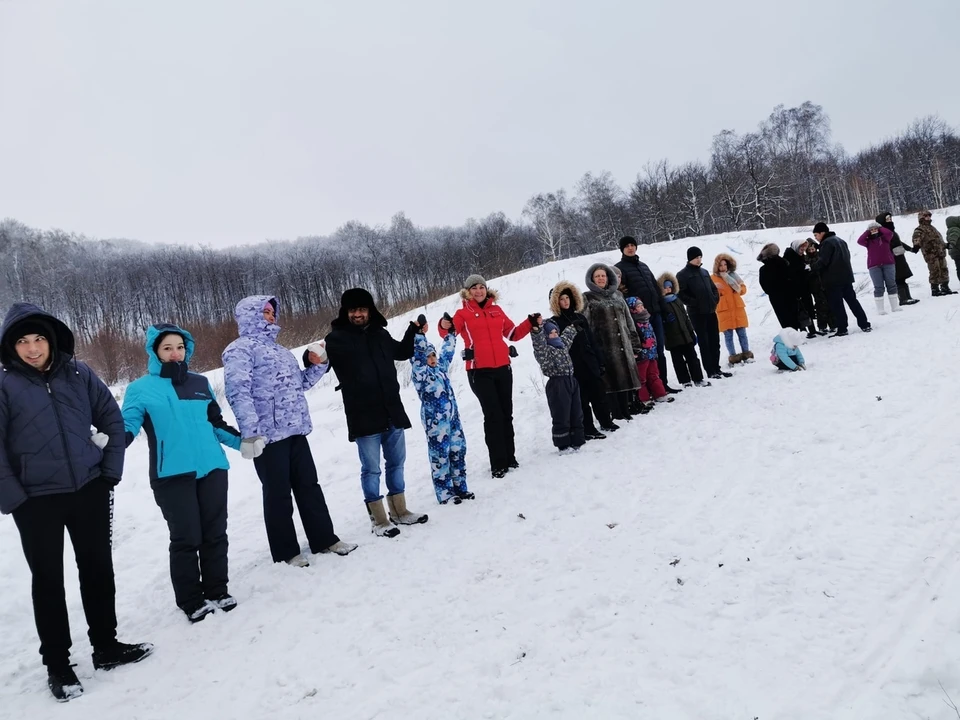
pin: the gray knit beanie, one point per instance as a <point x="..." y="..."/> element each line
<point x="474" y="280"/>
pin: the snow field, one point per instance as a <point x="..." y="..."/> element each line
<point x="814" y="517"/>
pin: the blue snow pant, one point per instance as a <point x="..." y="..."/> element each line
<point x="447" y="450"/>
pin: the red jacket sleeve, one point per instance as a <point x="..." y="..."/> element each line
<point x="512" y="332"/>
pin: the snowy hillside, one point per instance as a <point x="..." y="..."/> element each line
<point x="774" y="547"/>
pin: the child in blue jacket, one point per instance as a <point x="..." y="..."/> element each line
<point x="446" y="444"/>
<point x="786" y="353"/>
<point x="188" y="468"/>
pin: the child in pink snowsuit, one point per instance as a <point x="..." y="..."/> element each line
<point x="650" y="382"/>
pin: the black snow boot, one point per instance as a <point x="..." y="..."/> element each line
<point x="935" y="290"/>
<point x="905" y="298"/>
<point x="117" y="654"/>
<point x="945" y="289"/>
<point x="63" y="683"/>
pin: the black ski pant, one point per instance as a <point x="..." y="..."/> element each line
<point x="85" y="514"/>
<point x="686" y="364"/>
<point x="708" y="337"/>
<point x="836" y="296"/>
<point x="563" y="398"/>
<point x="593" y="394"/>
<point x="196" y="514"/>
<point x="286" y="467"/>
<point x="494" y="389"/>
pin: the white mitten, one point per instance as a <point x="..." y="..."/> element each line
<point x="100" y="439"/>
<point x="251" y="448"/>
<point x="320" y="350"/>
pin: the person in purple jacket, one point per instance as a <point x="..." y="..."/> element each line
<point x="265" y="388"/>
<point x="881" y="264"/>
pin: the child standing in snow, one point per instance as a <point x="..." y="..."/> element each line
<point x="446" y="445"/>
<point x="552" y="351"/>
<point x="786" y="353"/>
<point x="650" y="382"/>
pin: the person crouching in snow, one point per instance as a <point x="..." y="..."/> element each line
<point x="786" y="353"/>
<point x="446" y="445"/>
<point x="650" y="382"/>
<point x="552" y="351"/>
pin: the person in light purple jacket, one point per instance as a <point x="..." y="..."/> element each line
<point x="881" y="264"/>
<point x="265" y="388"/>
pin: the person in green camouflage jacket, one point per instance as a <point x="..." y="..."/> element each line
<point x="953" y="240"/>
<point x="934" y="250"/>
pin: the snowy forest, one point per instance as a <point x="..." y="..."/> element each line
<point x="786" y="172"/>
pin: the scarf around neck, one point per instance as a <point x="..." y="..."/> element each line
<point x="732" y="279"/>
<point x="642" y="317"/>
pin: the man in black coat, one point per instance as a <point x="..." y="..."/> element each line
<point x="53" y="476"/>
<point x="833" y="264"/>
<point x="362" y="354"/>
<point x="700" y="295"/>
<point x="641" y="283"/>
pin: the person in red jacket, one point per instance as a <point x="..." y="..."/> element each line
<point x="484" y="328"/>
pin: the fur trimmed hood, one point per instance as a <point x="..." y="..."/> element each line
<point x="613" y="280"/>
<point x="672" y="278"/>
<point x="731" y="263"/>
<point x="492" y="295"/>
<point x="577" y="303"/>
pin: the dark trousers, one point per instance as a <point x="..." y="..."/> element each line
<point x="708" y="337"/>
<point x="656" y="321"/>
<point x="836" y="297"/>
<point x="563" y="398"/>
<point x="196" y="514"/>
<point x="494" y="389"/>
<point x="686" y="364"/>
<point x="86" y="516"/>
<point x="592" y="393"/>
<point x="287" y="466"/>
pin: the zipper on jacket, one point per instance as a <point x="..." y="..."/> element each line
<point x="63" y="440"/>
<point x="160" y="467"/>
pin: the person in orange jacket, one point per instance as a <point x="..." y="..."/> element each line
<point x="731" y="311"/>
<point x="484" y="328"/>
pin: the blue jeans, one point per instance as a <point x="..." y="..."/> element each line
<point x="741" y="336"/>
<point x="394" y="454"/>
<point x="884" y="275"/>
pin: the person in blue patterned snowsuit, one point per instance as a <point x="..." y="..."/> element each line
<point x="265" y="388"/>
<point x="446" y="445"/>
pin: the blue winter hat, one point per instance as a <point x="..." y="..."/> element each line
<point x="550" y="326"/>
<point x="668" y="284"/>
<point x="632" y="302"/>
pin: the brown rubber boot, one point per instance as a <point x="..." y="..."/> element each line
<point x="399" y="513"/>
<point x="379" y="525"/>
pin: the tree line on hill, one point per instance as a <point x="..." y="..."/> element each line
<point x="786" y="172"/>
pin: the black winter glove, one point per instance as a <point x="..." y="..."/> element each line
<point x="421" y="321"/>
<point x="534" y="321"/>
<point x="306" y="359"/>
<point x="467" y="354"/>
<point x="513" y="351"/>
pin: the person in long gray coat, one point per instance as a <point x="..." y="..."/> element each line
<point x="54" y="476"/>
<point x="609" y="319"/>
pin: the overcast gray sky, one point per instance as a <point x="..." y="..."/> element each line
<point x="232" y="121"/>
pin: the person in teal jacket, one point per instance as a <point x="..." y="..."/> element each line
<point x="786" y="353"/>
<point x="188" y="467"/>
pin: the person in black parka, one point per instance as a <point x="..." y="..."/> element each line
<point x="833" y="264"/>
<point x="640" y="282"/>
<point x="54" y="476"/>
<point x="799" y="275"/>
<point x="775" y="282"/>
<point x="899" y="249"/>
<point x="699" y="293"/>
<point x="566" y="302"/>
<point x="362" y="354"/>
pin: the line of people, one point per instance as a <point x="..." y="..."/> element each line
<point x="602" y="351"/>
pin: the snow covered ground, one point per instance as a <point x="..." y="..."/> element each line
<point x="776" y="546"/>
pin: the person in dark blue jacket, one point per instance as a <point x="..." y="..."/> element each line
<point x="188" y="468"/>
<point x="54" y="476"/>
